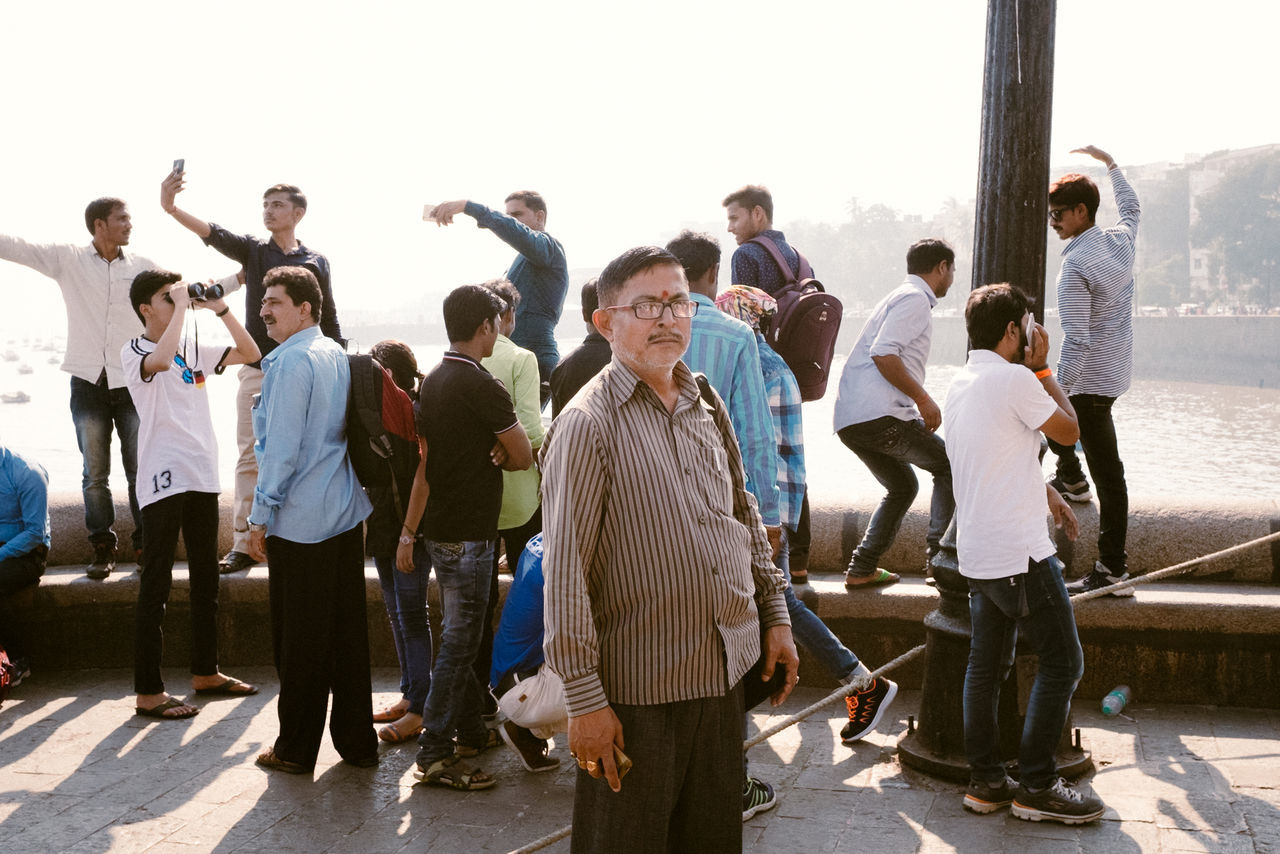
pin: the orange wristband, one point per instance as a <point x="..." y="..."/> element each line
<point x="1044" y="372"/>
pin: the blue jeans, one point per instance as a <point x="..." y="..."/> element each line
<point x="405" y="596"/>
<point x="1098" y="438"/>
<point x="809" y="631"/>
<point x="453" y="702"/>
<point x="890" y="447"/>
<point x="1036" y="605"/>
<point x="94" y="408"/>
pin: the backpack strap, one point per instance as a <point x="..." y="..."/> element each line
<point x="806" y="271"/>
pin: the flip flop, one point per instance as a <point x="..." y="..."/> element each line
<point x="158" y="712"/>
<point x="230" y="687"/>
<point x="452" y="774"/>
<point x="392" y="735"/>
<point x="876" y="579"/>
<point x="268" y="759"/>
<point x="389" y="715"/>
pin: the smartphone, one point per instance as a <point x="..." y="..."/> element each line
<point x="622" y="761"/>
<point x="179" y="166"/>
<point x="426" y="212"/>
<point x="1030" y="329"/>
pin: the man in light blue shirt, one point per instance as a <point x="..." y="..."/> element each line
<point x="306" y="523"/>
<point x="884" y="415"/>
<point x="24" y="544"/>
<point x="725" y="349"/>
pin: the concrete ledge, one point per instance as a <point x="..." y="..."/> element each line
<point x="1183" y="643"/>
<point x="1161" y="534"/>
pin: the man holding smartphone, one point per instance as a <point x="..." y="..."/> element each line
<point x="283" y="207"/>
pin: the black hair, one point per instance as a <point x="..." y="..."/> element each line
<point x="300" y="284"/>
<point x="466" y="308"/>
<point x="990" y="310"/>
<point x="628" y="264"/>
<point x="698" y="253"/>
<point x="146" y="284"/>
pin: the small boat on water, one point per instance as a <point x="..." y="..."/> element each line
<point x="9" y="356"/>
<point x="14" y="397"/>
<point x="25" y="369"/>
<point x="53" y="360"/>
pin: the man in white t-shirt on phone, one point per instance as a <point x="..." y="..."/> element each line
<point x="997" y="407"/>
<point x="177" y="480"/>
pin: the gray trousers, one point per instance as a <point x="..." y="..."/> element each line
<point x="684" y="791"/>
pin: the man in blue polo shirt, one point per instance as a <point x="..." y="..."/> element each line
<point x="540" y="272"/>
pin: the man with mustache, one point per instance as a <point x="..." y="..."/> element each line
<point x="659" y="580"/>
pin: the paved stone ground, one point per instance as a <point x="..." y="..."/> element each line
<point x="80" y="772"/>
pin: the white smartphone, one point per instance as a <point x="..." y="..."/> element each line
<point x="1031" y="325"/>
<point x="426" y="212"/>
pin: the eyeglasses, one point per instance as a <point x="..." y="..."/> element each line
<point x="652" y="309"/>
<point x="1055" y="214"/>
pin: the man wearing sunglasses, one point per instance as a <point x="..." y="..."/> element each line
<point x="1095" y="306"/>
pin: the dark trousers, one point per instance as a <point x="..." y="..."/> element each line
<point x="16" y="573"/>
<point x="515" y="540"/>
<point x="684" y="792"/>
<point x="798" y="540"/>
<point x="195" y="514"/>
<point x="320" y="636"/>
<point x="1098" y="438"/>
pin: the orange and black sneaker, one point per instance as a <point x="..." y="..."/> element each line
<point x="866" y="708"/>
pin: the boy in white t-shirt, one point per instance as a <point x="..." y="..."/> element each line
<point x="177" y="481"/>
<point x="997" y="407"/>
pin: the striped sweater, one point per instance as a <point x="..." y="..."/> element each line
<point x="1095" y="302"/>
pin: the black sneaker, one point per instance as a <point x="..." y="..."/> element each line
<point x="1059" y="802"/>
<point x="235" y="561"/>
<point x="20" y="668"/>
<point x="757" y="796"/>
<point x="1100" y="577"/>
<point x="1077" y="492"/>
<point x="531" y="749"/>
<point x="866" y="708"/>
<point x="983" y="797"/>
<point x="104" y="560"/>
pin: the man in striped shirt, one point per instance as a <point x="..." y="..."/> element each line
<point x="1095" y="305"/>
<point x="658" y="580"/>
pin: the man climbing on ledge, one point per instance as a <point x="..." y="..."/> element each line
<point x="1095" y="305"/>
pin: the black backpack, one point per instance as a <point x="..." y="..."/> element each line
<point x="804" y="328"/>
<point x="382" y="441"/>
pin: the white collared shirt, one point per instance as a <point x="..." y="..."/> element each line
<point x="900" y="325"/>
<point x="100" y="321"/>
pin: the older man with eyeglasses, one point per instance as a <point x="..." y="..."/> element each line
<point x="659" y="580"/>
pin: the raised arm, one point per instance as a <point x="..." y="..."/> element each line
<point x="173" y="184"/>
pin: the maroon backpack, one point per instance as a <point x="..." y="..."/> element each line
<point x="804" y="328"/>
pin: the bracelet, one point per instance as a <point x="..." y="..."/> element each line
<point x="1044" y="372"/>
<point x="223" y="312"/>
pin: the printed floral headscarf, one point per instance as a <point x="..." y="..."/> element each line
<point x="748" y="304"/>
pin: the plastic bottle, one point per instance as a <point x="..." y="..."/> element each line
<point x="1114" y="703"/>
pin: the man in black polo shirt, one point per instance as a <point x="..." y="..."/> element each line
<point x="586" y="361"/>
<point x="283" y="206"/>
<point x="469" y="433"/>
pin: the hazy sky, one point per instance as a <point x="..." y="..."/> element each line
<point x="631" y="118"/>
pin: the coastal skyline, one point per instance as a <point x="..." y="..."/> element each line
<point x="631" y="126"/>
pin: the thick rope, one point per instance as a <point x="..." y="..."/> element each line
<point x="861" y="683"/>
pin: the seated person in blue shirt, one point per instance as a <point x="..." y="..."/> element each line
<point x="517" y="652"/>
<point x="24" y="544"/>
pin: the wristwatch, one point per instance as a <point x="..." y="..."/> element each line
<point x="406" y="540"/>
<point x="253" y="526"/>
